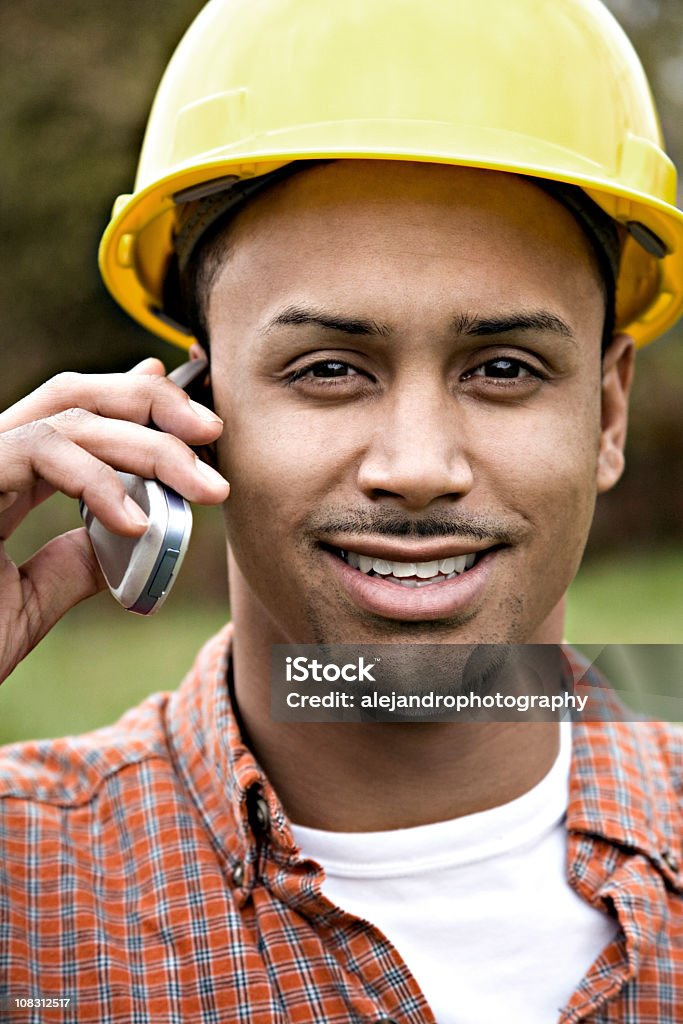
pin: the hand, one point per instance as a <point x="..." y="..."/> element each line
<point x="71" y="435"/>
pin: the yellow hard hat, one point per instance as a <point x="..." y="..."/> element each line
<point x="547" y="89"/>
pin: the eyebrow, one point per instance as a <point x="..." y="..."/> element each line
<point x="295" y="315"/>
<point x="465" y="324"/>
<point x="536" y="320"/>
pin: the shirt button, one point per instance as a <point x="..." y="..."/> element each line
<point x="670" y="860"/>
<point x="238" y="873"/>
<point x="385" y="1020"/>
<point x="257" y="811"/>
<point x="262" y="815"/>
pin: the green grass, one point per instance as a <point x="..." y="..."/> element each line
<point x="99" y="661"/>
<point x="635" y="601"/>
<point x="628" y="600"/>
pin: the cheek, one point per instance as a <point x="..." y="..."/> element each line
<point x="545" y="465"/>
<point x="283" y="464"/>
<point x="282" y="455"/>
<point x="545" y="469"/>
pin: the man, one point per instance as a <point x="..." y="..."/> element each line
<point x="419" y="262"/>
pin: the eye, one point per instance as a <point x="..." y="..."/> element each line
<point x="502" y="368"/>
<point x="324" y="368"/>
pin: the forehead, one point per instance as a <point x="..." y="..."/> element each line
<point x="339" y="191"/>
<point x="341" y="226"/>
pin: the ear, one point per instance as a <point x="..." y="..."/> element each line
<point x="197" y="351"/>
<point x="617" y="375"/>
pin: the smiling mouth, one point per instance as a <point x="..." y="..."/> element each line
<point x="412" y="574"/>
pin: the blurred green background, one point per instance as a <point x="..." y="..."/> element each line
<point x="77" y="78"/>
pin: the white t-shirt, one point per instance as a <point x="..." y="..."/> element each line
<point x="478" y="907"/>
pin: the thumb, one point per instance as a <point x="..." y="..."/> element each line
<point x="62" y="573"/>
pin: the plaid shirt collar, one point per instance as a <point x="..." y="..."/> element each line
<point x="620" y="789"/>
<point x="235" y="799"/>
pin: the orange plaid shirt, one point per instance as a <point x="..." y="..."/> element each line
<point x="148" y="874"/>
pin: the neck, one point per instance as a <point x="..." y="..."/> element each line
<point x="350" y="777"/>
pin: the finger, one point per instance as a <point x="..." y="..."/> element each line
<point x="139" y="396"/>
<point x="38" y="452"/>
<point x="59" y="576"/>
<point x="50" y="450"/>
<point x="149" y="453"/>
<point x="150" y="365"/>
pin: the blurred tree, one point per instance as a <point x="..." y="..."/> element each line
<point x="76" y="78"/>
<point x="656" y="28"/>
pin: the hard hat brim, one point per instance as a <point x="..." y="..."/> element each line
<point x="138" y="243"/>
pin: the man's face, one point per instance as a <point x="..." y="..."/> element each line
<point x="407" y="360"/>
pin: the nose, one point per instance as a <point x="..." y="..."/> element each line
<point x="418" y="451"/>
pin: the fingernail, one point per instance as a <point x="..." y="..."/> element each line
<point x="204" y="413"/>
<point x="211" y="475"/>
<point x="134" y="512"/>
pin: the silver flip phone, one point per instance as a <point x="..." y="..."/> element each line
<point x="140" y="571"/>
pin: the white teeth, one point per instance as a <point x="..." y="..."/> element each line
<point x="402" y="569"/>
<point x="426" y="572"/>
<point x="381" y="567"/>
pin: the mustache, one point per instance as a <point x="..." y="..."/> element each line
<point x="391" y="523"/>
